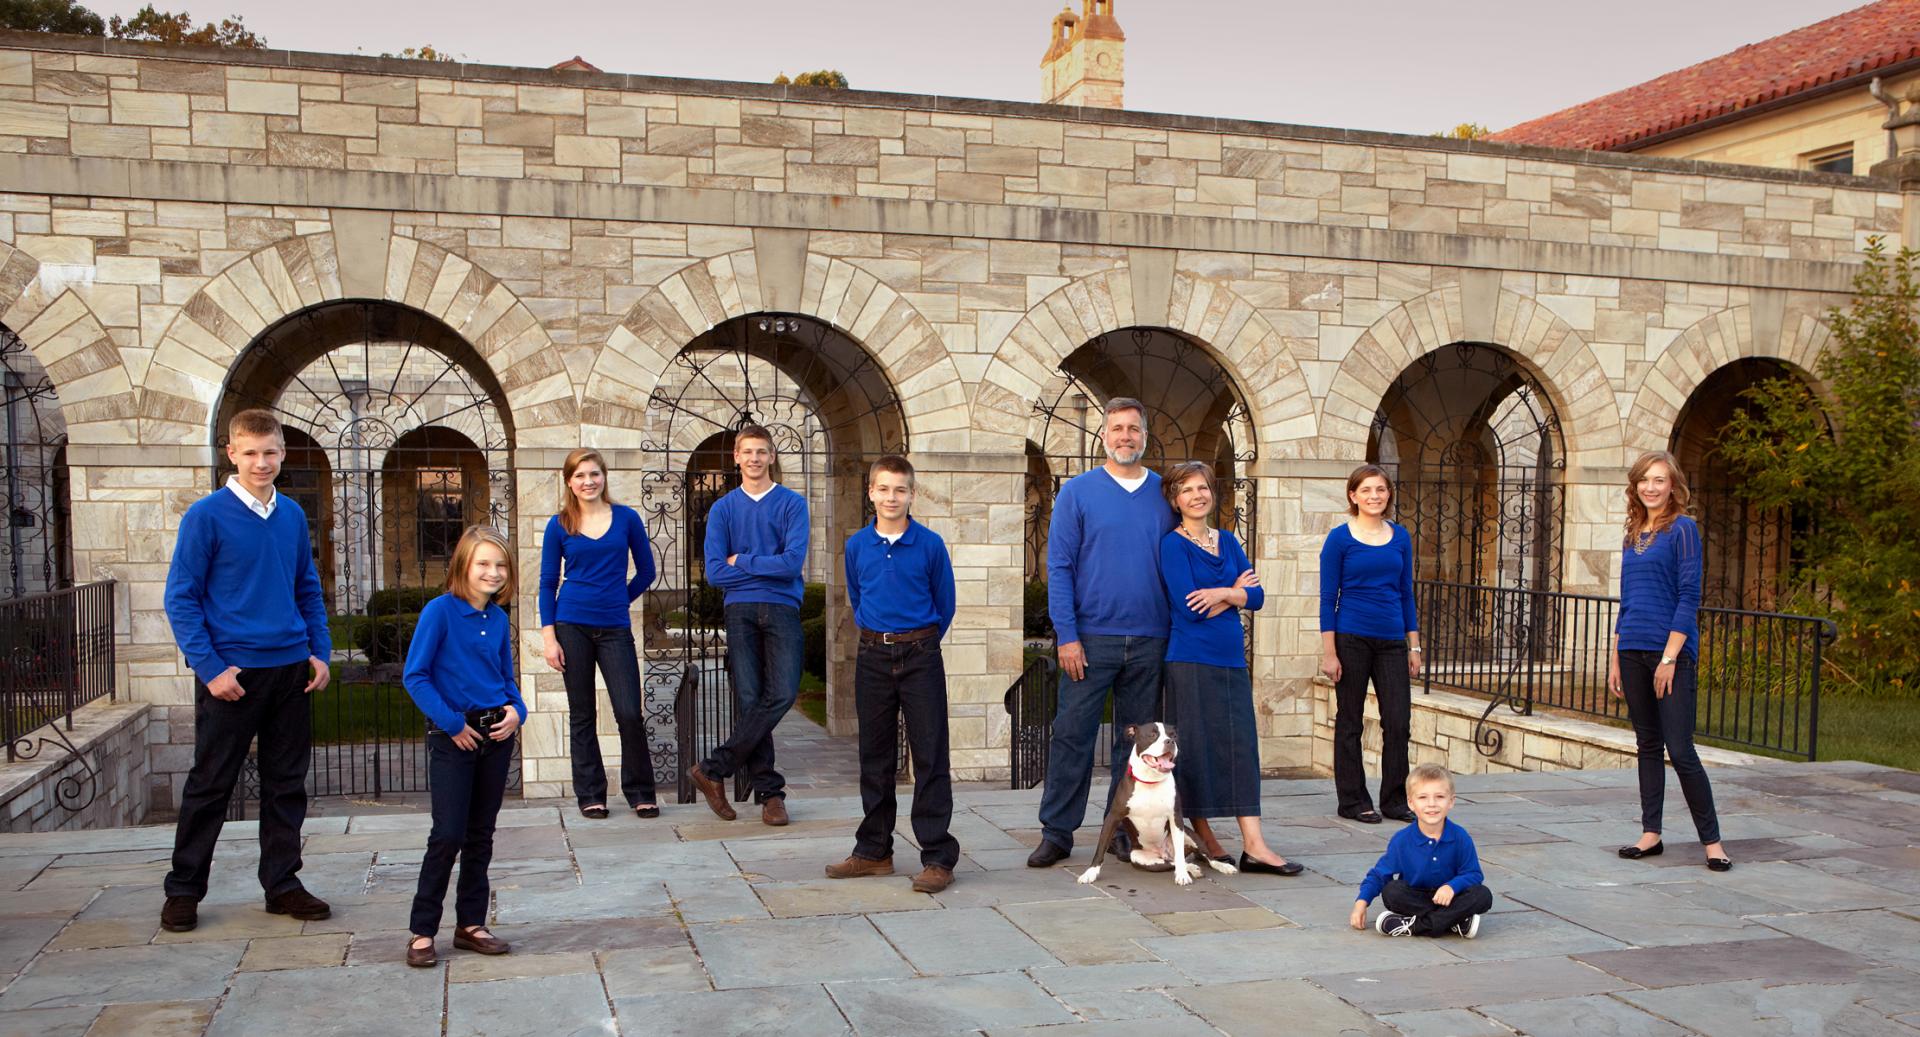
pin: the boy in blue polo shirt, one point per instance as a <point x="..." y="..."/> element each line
<point x="1429" y="878"/>
<point x="246" y="608"/>
<point x="900" y="585"/>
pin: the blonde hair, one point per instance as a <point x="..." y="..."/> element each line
<point x="569" y="501"/>
<point x="1638" y="521"/>
<point x="1425" y="773"/>
<point x="470" y="542"/>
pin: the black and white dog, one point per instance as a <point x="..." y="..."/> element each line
<point x="1148" y="804"/>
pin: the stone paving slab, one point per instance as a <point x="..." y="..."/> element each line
<point x="686" y="924"/>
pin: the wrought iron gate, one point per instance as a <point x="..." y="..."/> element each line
<point x="397" y="440"/>
<point x="35" y="554"/>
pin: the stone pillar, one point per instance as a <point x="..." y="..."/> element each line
<point x="545" y="762"/>
<point x="1903" y="165"/>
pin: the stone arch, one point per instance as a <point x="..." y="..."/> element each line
<point x="81" y="358"/>
<point x="1793" y="332"/>
<point x="837" y="291"/>
<point x="216" y="325"/>
<point x="1563" y="363"/>
<point x="1205" y="311"/>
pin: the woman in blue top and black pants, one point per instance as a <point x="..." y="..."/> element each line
<point x="1654" y="650"/>
<point x="460" y="673"/>
<point x="1369" y="630"/>
<point x="585" y="594"/>
<point x="1209" y="580"/>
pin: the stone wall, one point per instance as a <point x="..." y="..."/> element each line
<point x="163" y="207"/>
<point x="39" y="794"/>
<point x="1443" y="731"/>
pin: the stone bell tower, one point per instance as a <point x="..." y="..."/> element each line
<point x="1085" y="57"/>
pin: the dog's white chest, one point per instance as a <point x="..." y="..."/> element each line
<point x="1151" y="805"/>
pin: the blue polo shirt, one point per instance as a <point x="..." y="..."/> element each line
<point x="461" y="658"/>
<point x="900" y="586"/>
<point x="1425" y="863"/>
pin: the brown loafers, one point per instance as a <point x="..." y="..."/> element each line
<point x="300" y="904"/>
<point x="713" y="791"/>
<point x="475" y="938"/>
<point x="932" y="879"/>
<point x="421" y="957"/>
<point x="774" y="812"/>
<point x="855" y="867"/>
<point x="180" y="914"/>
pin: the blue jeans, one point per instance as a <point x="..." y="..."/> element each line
<point x="1128" y="666"/>
<point x="764" y="657"/>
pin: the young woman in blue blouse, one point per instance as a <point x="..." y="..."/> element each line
<point x="585" y="594"/>
<point x="1369" y="630"/>
<point x="1209" y="581"/>
<point x="1654" y="650"/>
<point x="460" y="673"/>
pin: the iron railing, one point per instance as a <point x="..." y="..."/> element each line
<point x="1759" y="672"/>
<point x="1031" y="703"/>
<point x="56" y="655"/>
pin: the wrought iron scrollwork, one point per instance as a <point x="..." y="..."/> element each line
<point x="73" y="790"/>
<point x="1512" y="691"/>
<point x="35" y="552"/>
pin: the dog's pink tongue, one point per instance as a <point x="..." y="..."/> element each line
<point x="1163" y="763"/>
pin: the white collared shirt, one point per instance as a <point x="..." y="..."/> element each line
<point x="253" y="503"/>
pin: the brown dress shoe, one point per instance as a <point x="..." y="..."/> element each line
<point x="180" y="914"/>
<point x="421" y="957"/>
<point x="855" y="867"/>
<point x="932" y="879"/>
<point x="774" y="811"/>
<point x="470" y="938"/>
<point x="714" y="792"/>
<point x="300" y="904"/>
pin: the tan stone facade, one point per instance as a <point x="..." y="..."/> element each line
<point x="162" y="209"/>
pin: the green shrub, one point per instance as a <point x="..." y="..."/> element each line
<point x="384" y="639"/>
<point x="813" y="635"/>
<point x="1036" y="621"/>
<point x="813" y="601"/>
<point x="706" y="606"/>
<point x="390" y="601"/>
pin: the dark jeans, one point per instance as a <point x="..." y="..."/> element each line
<point x="1129" y="667"/>
<point x="1429" y="918"/>
<point x="1665" y="726"/>
<point x="1384" y="662"/>
<point x="888" y="680"/>
<point x="468" y="785"/>
<point x="274" y="709"/>
<point x="764" y="657"/>
<point x="611" y="648"/>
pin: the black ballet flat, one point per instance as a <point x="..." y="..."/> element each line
<point x="1402" y="815"/>
<point x="1251" y="866"/>
<point x="1634" y="853"/>
<point x="1719" y="864"/>
<point x="1368" y="816"/>
<point x="646" y="812"/>
<point x="1225" y="858"/>
<point x="597" y="813"/>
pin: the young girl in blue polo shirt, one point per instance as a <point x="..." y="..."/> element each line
<point x="460" y="673"/>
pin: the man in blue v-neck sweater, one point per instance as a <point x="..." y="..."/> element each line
<point x="756" y="553"/>
<point x="244" y="600"/>
<point x="1110" y="617"/>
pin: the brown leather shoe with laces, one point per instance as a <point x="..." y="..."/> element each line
<point x="932" y="879"/>
<point x="300" y="904"/>
<point x="855" y="867"/>
<point x="475" y="938"/>
<point x="774" y="812"/>
<point x="713" y="791"/>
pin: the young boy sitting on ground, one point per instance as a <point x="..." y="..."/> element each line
<point x="1429" y="879"/>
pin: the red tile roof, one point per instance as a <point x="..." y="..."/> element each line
<point x="1876" y="38"/>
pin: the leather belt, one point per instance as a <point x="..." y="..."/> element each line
<point x="874" y="637"/>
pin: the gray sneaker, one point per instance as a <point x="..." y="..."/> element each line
<point x="1390" y="924"/>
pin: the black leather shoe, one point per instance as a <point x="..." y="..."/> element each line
<point x="1634" y="853"/>
<point x="1046" y="855"/>
<point x="180" y="914"/>
<point x="1719" y="864"/>
<point x="300" y="904"/>
<point x="1254" y="866"/>
<point x="1402" y="815"/>
<point x="1368" y="816"/>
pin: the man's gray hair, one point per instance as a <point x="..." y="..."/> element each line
<point x="1126" y="403"/>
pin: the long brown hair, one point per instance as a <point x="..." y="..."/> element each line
<point x="570" y="504"/>
<point x="463" y="551"/>
<point x="1638" y="521"/>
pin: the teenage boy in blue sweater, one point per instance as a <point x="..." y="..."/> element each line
<point x="1429" y="878"/>
<point x="245" y="604"/>
<point x="900" y="585"/>
<point x="1109" y="614"/>
<point x="756" y="553"/>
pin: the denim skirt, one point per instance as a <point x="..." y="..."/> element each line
<point x="1218" y="769"/>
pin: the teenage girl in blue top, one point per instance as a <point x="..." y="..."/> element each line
<point x="1654" y="650"/>
<point x="585" y="594"/>
<point x="460" y="673"/>
<point x="1369" y="631"/>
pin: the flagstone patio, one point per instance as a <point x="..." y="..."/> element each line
<point x="690" y="925"/>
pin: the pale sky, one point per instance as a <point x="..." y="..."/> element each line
<point x="1399" y="65"/>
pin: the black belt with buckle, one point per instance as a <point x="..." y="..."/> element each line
<point x="482" y="720"/>
<point x="874" y="637"/>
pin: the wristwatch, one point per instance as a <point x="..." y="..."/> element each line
<point x="1416" y="649"/>
<point x="1666" y="660"/>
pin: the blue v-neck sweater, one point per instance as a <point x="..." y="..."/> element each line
<point x="242" y="590"/>
<point x="1103" y="558"/>
<point x="770" y="537"/>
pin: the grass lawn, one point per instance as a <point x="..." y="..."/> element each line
<point x="813" y="698"/>
<point x="365" y="712"/>
<point x="1874" y="730"/>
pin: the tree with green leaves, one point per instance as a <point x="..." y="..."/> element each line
<point x="832" y="79"/>
<point x="1862" y="559"/>
<point x="50" y="16"/>
<point x="177" y="29"/>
